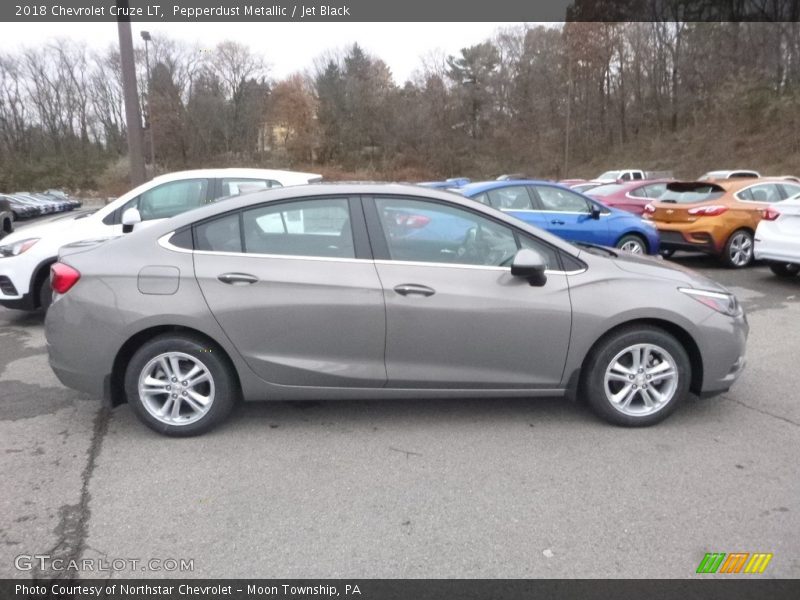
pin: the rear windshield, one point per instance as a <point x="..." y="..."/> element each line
<point x="682" y="193"/>
<point x="607" y="190"/>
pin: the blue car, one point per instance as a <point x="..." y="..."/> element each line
<point x="567" y="214"/>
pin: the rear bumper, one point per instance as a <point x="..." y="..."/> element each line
<point x="782" y="250"/>
<point x="701" y="236"/>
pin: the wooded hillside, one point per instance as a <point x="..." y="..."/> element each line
<point x="555" y="102"/>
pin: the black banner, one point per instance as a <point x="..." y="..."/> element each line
<point x="396" y="11"/>
<point x="738" y="588"/>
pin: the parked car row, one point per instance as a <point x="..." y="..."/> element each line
<point x="25" y="205"/>
<point x="719" y="214"/>
<point x="308" y="292"/>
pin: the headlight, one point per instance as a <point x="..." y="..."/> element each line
<point x="648" y="223"/>
<point x="17" y="248"/>
<point x="722" y="302"/>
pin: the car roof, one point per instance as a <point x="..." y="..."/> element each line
<point x="238" y="172"/>
<point x="483" y="186"/>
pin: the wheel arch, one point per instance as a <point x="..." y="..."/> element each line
<point x="684" y="338"/>
<point x="116" y="387"/>
<point x="638" y="234"/>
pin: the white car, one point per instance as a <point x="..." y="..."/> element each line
<point x="777" y="238"/>
<point x="26" y="256"/>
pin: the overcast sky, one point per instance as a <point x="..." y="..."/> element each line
<point x="287" y="47"/>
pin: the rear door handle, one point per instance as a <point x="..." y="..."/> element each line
<point x="237" y="278"/>
<point x="408" y="289"/>
<point x="556" y="222"/>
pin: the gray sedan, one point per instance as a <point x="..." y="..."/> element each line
<point x="369" y="291"/>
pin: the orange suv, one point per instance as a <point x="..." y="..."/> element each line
<point x="718" y="217"/>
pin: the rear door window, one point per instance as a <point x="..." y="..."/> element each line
<point x="233" y="186"/>
<point x="764" y="192"/>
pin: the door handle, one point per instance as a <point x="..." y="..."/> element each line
<point x="237" y="278"/>
<point x="408" y="289"/>
<point x="556" y="222"/>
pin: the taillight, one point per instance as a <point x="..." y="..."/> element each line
<point x="770" y="214"/>
<point x="649" y="208"/>
<point x="63" y="277"/>
<point x="708" y="211"/>
<point x="412" y="221"/>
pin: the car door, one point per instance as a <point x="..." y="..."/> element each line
<point x="295" y="289"/>
<point x="569" y="215"/>
<point x="455" y="316"/>
<point x="517" y="201"/>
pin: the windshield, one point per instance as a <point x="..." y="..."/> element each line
<point x="688" y="194"/>
<point x="607" y="190"/>
<point x="609" y="175"/>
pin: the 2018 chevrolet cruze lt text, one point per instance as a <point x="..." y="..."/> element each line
<point x="337" y="292"/>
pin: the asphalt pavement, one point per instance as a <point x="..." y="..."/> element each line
<point x="412" y="489"/>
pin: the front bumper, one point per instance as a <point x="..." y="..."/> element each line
<point x="723" y="348"/>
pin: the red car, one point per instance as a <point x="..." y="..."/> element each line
<point x="632" y="196"/>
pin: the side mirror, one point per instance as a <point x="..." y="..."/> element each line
<point x="529" y="265"/>
<point x="595" y="212"/>
<point x="130" y="218"/>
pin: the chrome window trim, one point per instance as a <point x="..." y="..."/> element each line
<point x="164" y="242"/>
<point x="560" y="212"/>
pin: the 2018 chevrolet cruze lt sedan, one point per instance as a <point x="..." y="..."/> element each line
<point x="330" y="292"/>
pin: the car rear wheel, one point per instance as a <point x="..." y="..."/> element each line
<point x="787" y="270"/>
<point x="180" y="385"/>
<point x="633" y="244"/>
<point x="636" y="376"/>
<point x="738" y="251"/>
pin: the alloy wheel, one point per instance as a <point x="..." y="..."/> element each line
<point x="176" y="388"/>
<point x="741" y="249"/>
<point x="641" y="380"/>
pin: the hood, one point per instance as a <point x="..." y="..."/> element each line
<point x="664" y="269"/>
<point x="50" y="228"/>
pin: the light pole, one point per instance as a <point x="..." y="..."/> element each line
<point x="147" y="39"/>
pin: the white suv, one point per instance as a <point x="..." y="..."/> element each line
<point x="26" y="256"/>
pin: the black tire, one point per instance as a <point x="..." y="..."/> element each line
<point x="632" y="239"/>
<point x="44" y="293"/>
<point x="667" y="252"/>
<point x="784" y="270"/>
<point x="593" y="386"/>
<point x="225" y="385"/>
<point x="728" y="252"/>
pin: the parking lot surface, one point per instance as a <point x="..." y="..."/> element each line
<point x="456" y="488"/>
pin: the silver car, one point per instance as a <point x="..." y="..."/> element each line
<point x="372" y="291"/>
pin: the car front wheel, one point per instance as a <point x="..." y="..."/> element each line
<point x="787" y="270"/>
<point x="636" y="376"/>
<point x="180" y="385"/>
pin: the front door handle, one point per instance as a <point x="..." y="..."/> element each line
<point x="237" y="278"/>
<point x="408" y="289"/>
<point x="556" y="222"/>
